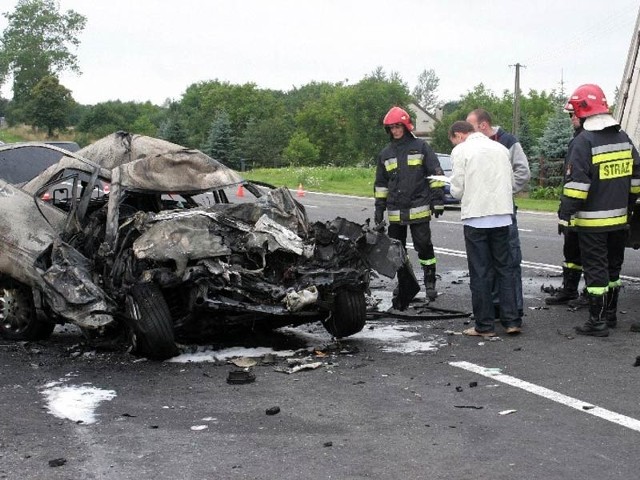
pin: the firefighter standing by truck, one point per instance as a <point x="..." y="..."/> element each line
<point x="402" y="189"/>
<point x="601" y="184"/>
<point x="572" y="265"/>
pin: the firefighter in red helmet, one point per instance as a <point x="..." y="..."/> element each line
<point x="403" y="189"/>
<point x="601" y="183"/>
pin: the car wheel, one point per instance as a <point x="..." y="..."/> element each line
<point x="151" y="324"/>
<point x="349" y="314"/>
<point x="18" y="316"/>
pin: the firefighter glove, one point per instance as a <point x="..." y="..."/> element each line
<point x="437" y="208"/>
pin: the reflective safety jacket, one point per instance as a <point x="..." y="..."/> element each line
<point x="601" y="181"/>
<point x="401" y="185"/>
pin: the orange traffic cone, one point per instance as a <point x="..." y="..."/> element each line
<point x="240" y="192"/>
<point x="300" y="191"/>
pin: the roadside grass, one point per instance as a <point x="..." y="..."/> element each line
<point x="24" y="133"/>
<point x="352" y="181"/>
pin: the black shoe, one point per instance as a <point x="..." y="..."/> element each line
<point x="590" y="331"/>
<point x="561" y="297"/>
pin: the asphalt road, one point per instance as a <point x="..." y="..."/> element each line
<point x="404" y="399"/>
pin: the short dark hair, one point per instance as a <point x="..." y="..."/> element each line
<point x="482" y="115"/>
<point x="460" y="127"/>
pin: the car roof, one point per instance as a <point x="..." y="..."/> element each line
<point x="19" y="165"/>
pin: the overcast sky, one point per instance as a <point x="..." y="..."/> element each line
<point x="154" y="49"/>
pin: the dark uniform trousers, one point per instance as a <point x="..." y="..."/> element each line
<point x="421" y="235"/>
<point x="602" y="256"/>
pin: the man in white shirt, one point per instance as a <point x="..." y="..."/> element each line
<point x="482" y="178"/>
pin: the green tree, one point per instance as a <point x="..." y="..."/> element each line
<point x="548" y="159"/>
<point x="300" y="151"/>
<point x="50" y="105"/>
<point x="263" y="141"/>
<point x="173" y="130"/>
<point x="425" y="92"/>
<point x="36" y="43"/>
<point x="220" y="141"/>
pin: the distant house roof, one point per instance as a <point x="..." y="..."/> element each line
<point x="424" y="123"/>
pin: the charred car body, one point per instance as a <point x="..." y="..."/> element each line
<point x="135" y="234"/>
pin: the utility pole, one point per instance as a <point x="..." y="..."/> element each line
<point x="516" y="100"/>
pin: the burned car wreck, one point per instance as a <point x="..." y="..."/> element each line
<point x="135" y="236"/>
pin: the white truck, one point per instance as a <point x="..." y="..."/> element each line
<point x="628" y="114"/>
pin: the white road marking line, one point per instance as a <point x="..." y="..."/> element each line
<point x="584" y="407"/>
<point x="524" y="264"/>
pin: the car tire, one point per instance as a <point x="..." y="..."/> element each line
<point x="152" y="334"/>
<point x="349" y="314"/>
<point x="18" y="316"/>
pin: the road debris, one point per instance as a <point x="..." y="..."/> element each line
<point x="240" y="377"/>
<point x="507" y="412"/>
<point x="299" y="367"/>
<point x="273" y="410"/>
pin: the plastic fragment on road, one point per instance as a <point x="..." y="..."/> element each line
<point x="507" y="412"/>
<point x="244" y="362"/>
<point x="297" y="368"/>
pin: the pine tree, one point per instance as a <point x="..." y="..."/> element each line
<point x="220" y="141"/>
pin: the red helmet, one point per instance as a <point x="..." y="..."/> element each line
<point x="588" y="100"/>
<point x="398" y="115"/>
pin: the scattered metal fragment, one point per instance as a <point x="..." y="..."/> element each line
<point x="273" y="410"/>
<point x="473" y="407"/>
<point x="458" y="389"/>
<point x="588" y="407"/>
<point x="240" y="377"/>
<point x="473" y="384"/>
<point x="507" y="412"/>
<point x="327" y="444"/>
<point x="57" y="462"/>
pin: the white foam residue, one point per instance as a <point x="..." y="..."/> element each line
<point x="399" y="339"/>
<point x="384" y="332"/>
<point x="76" y="402"/>
<point x="217" y="355"/>
<point x="414" y="346"/>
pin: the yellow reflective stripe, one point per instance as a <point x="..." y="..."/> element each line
<point x="615" y="283"/>
<point x="617" y="169"/>
<point x="390" y="164"/>
<point x="609" y="156"/>
<point x="635" y="189"/>
<point x="572" y="193"/>
<point x="416" y="215"/>
<point x="431" y="261"/>
<point x="600" y="222"/>
<point x="393" y="215"/>
<point x="414" y="162"/>
<point x="381" y="192"/>
<point x="572" y="266"/>
<point x="436" y="184"/>
<point x="599" y="291"/>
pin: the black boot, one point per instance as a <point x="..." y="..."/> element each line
<point x="581" y="302"/>
<point x="611" y="313"/>
<point x="569" y="289"/>
<point x="596" y="326"/>
<point x="430" y="281"/>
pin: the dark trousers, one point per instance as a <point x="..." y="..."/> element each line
<point x="602" y="257"/>
<point x="516" y="258"/>
<point x="571" y="250"/>
<point x="421" y="235"/>
<point x="489" y="255"/>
